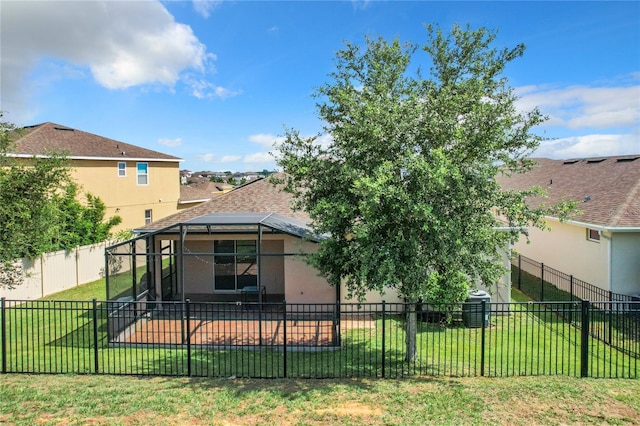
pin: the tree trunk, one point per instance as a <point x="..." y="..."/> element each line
<point x="411" y="332"/>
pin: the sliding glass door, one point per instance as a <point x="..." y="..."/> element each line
<point x="235" y="265"/>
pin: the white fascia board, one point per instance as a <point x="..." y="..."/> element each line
<point x="194" y="201"/>
<point x="74" y="157"/>
<point x="597" y="227"/>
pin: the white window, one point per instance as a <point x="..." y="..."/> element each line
<point x="148" y="217"/>
<point x="143" y="173"/>
<point x="122" y="169"/>
<point x="593" y="235"/>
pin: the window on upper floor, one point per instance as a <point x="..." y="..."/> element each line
<point x="148" y="217"/>
<point x="122" y="169"/>
<point x="143" y="173"/>
<point x="593" y="235"/>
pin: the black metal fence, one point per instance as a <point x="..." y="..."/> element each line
<point x="541" y="282"/>
<point x="320" y="340"/>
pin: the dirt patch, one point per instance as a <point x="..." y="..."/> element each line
<point x="352" y="409"/>
<point x="533" y="410"/>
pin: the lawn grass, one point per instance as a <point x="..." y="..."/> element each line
<point x="529" y="340"/>
<point x="102" y="400"/>
<point x="93" y="290"/>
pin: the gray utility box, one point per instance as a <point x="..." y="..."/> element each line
<point x="472" y="309"/>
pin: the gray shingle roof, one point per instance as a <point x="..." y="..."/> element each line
<point x="259" y="196"/>
<point x="47" y="138"/>
<point x="607" y="188"/>
<point x="198" y="192"/>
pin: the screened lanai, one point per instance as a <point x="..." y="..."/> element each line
<point x="224" y="257"/>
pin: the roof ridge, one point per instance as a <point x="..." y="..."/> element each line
<point x="631" y="196"/>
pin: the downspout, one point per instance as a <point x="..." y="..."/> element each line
<point x="181" y="260"/>
<point x="609" y="240"/>
<point x="259" y="260"/>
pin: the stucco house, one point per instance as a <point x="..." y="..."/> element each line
<point x="247" y="244"/>
<point x="600" y="244"/>
<point x="138" y="184"/>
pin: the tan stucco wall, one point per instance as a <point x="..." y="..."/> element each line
<point x="198" y="278"/>
<point x="123" y="196"/>
<point x="272" y="267"/>
<point x="567" y="249"/>
<point x="302" y="283"/>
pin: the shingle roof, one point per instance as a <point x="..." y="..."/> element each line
<point x="45" y="138"/>
<point x="258" y="196"/>
<point x="198" y="192"/>
<point x="608" y="188"/>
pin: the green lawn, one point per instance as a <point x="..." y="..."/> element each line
<point x="110" y="400"/>
<point x="529" y="340"/>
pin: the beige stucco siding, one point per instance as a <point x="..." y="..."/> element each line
<point x="566" y="248"/>
<point x="198" y="275"/>
<point x="302" y="283"/>
<point x="123" y="196"/>
<point x="272" y="267"/>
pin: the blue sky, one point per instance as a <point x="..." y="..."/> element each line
<point x="215" y="83"/>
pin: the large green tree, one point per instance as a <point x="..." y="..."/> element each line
<point x="406" y="192"/>
<point x="40" y="208"/>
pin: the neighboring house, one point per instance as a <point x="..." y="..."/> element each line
<point x="137" y="184"/>
<point x="602" y="244"/>
<point x="199" y="192"/>
<point x="245" y="242"/>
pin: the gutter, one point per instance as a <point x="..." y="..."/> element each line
<point x="76" y="157"/>
<point x="604" y="228"/>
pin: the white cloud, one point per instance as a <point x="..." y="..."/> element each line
<point x="205" y="7"/>
<point x="324" y="140"/>
<point x="229" y="158"/>
<point x="580" y="107"/>
<point x="267" y="140"/>
<point x="170" y="142"/>
<point x="589" y="146"/>
<point x="123" y="44"/>
<point x="212" y="158"/>
<point x="259" y="157"/>
<point x="203" y="89"/>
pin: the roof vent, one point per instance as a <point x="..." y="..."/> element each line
<point x="570" y="161"/>
<point x="66" y="129"/>
<point x="587" y="198"/>
<point x="123" y="153"/>
<point x="627" y="159"/>
<point x="595" y="160"/>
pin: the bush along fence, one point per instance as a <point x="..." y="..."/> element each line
<point x="277" y="340"/>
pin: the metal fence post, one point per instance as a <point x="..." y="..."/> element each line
<point x="96" y="352"/>
<point x="610" y="319"/>
<point x="571" y="286"/>
<point x="483" y="306"/>
<point x="187" y="306"/>
<point x="284" y="338"/>
<point x="519" y="272"/>
<point x="542" y="282"/>
<point x="584" y="341"/>
<point x="3" y="334"/>
<point x="384" y="312"/>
